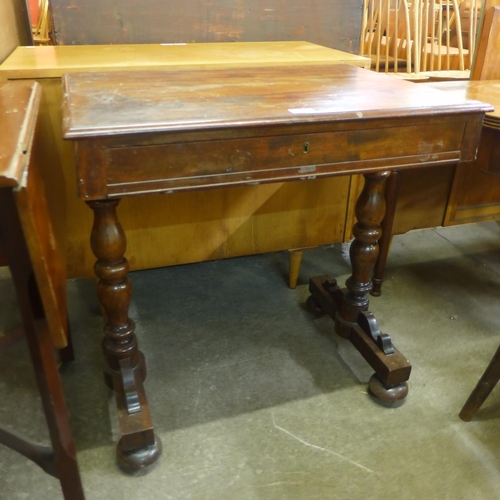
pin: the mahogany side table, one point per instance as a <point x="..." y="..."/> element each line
<point x="162" y="131"/>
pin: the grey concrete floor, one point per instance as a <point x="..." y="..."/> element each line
<point x="254" y="398"/>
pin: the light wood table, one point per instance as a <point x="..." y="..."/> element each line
<point x="226" y="223"/>
<point x="139" y="133"/>
<point x="53" y="61"/>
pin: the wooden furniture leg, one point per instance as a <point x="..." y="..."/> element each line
<point x="349" y="308"/>
<point x="483" y="389"/>
<point x="60" y="460"/>
<point x="67" y="354"/>
<point x="295" y="258"/>
<point x="125" y="368"/>
<point x="391" y="198"/>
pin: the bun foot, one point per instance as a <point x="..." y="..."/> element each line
<point x="141" y="461"/>
<point x="313" y="307"/>
<point x="385" y="393"/>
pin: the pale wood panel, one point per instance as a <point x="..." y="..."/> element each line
<point x="334" y="23"/>
<point x="14" y="26"/>
<point x="48" y="62"/>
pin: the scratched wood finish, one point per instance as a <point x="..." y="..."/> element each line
<point x="19" y="110"/>
<point x="163" y="131"/>
<point x="334" y="23"/>
<point x="39" y="278"/>
<point x="168" y="131"/>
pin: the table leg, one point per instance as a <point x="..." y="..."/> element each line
<point x="59" y="460"/>
<point x="125" y="368"/>
<point x="349" y="307"/>
<point x="391" y="198"/>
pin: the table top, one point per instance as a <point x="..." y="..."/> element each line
<point x="50" y="61"/>
<point x="481" y="90"/>
<point x="18" y="111"/>
<point x="106" y="104"/>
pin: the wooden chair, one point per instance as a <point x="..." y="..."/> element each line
<point x="42" y="29"/>
<point x="486" y="67"/>
<point x="28" y="246"/>
<point x="413" y="37"/>
<point x="487" y="61"/>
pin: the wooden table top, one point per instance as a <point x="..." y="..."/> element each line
<point x="50" y="61"/>
<point x="103" y="104"/>
<point x="481" y="90"/>
<point x="18" y="111"/>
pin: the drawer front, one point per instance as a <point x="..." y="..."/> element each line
<point x="265" y="159"/>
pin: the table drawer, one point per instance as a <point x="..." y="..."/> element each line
<point x="284" y="157"/>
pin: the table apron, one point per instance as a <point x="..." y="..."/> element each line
<point x="141" y="168"/>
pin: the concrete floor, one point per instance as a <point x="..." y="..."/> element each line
<point x="254" y="398"/>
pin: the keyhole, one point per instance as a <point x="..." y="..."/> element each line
<point x="306" y="147"/>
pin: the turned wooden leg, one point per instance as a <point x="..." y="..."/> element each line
<point x="295" y="258"/>
<point x="391" y="198"/>
<point x="125" y="368"/>
<point x="483" y="388"/>
<point x="349" y="309"/>
<point x="370" y="209"/>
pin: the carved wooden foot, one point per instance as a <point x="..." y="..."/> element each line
<point x="349" y="308"/>
<point x="140" y="460"/>
<point x="125" y="368"/>
<point x="387" y="393"/>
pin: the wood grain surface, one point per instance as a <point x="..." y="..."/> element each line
<point x="21" y="173"/>
<point x="101" y="104"/>
<point x="50" y="61"/>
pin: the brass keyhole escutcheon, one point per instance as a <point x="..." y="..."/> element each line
<point x="306" y="147"/>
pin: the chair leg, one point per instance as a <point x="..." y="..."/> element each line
<point x="483" y="389"/>
<point x="67" y="354"/>
<point x="295" y="258"/>
<point x="391" y="199"/>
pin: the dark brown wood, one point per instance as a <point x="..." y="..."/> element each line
<point x="41" y="455"/>
<point x="486" y="384"/>
<point x="27" y="242"/>
<point x="164" y="131"/>
<point x="392" y="187"/>
<point x="125" y="368"/>
<point x="370" y="210"/>
<point x="334" y="23"/>
<point x="393" y="369"/>
<point x="42" y="353"/>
